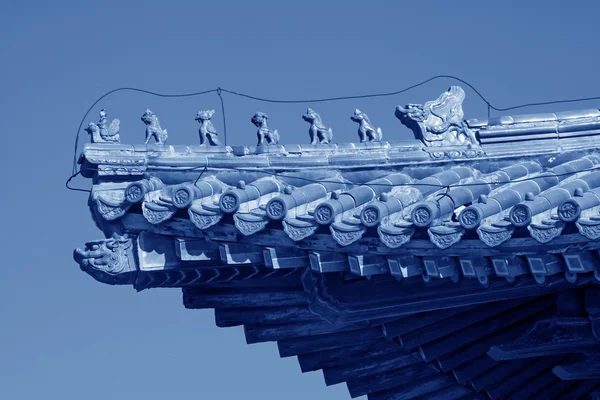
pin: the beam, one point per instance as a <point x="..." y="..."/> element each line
<point x="369" y="366"/>
<point x="588" y="368"/>
<point x="311" y="344"/>
<point x="549" y="337"/>
<point x="390" y="379"/>
<point x="340" y="356"/>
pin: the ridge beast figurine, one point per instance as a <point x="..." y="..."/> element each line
<point x="366" y="131"/>
<point x="319" y="134"/>
<point x="264" y="133"/>
<point x="208" y="132"/>
<point x="153" y="128"/>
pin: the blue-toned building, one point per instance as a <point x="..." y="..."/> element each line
<point x="461" y="265"/>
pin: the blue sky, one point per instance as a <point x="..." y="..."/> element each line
<point x="65" y="336"/>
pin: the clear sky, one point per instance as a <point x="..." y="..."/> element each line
<point x="65" y="336"/>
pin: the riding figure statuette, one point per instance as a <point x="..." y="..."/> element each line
<point x="101" y="133"/>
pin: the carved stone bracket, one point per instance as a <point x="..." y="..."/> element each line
<point x="109" y="261"/>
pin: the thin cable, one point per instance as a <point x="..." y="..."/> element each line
<point x="75" y="189"/>
<point x="219" y="90"/>
<point x="362" y="96"/>
<point x="200" y="176"/>
<point x="545" y="103"/>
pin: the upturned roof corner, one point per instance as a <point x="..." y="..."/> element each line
<point x="372" y="260"/>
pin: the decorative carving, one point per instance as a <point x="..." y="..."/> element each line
<point x="458" y="152"/>
<point x="134" y="193"/>
<point x="101" y="133"/>
<point x="264" y="133"/>
<point x="370" y="215"/>
<point x="204" y="219"/>
<point x="229" y="201"/>
<point x="366" y="131"/>
<point x="153" y="129"/>
<point x="445" y="240"/>
<point x="395" y="240"/>
<point x="495" y="236"/>
<point x="275" y="209"/>
<point x="323" y="213"/>
<point x="439" y="122"/>
<point x="104" y="170"/>
<point x="469" y="218"/>
<point x="520" y="215"/>
<point x="208" y="133"/>
<point x="569" y="211"/>
<point x="317" y="131"/>
<point x="297" y="232"/>
<point x="111" y="204"/>
<point x="589" y="229"/>
<point x="157" y="208"/>
<point x="345" y="237"/>
<point x="156" y="216"/>
<point x="110" y="260"/>
<point x="182" y="197"/>
<point x="421" y="216"/>
<point x="545" y="234"/>
<point x="249" y="225"/>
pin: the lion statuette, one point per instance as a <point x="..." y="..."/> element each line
<point x="208" y="132"/>
<point x="264" y="133"/>
<point x="153" y="129"/>
<point x="366" y="131"/>
<point x="319" y="134"/>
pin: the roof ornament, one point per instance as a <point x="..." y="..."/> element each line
<point x="153" y="128"/>
<point x="110" y="260"/>
<point x="264" y="133"/>
<point x="101" y="133"/>
<point x="208" y="132"/>
<point x="439" y="122"/>
<point x="366" y="131"/>
<point x="319" y="134"/>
